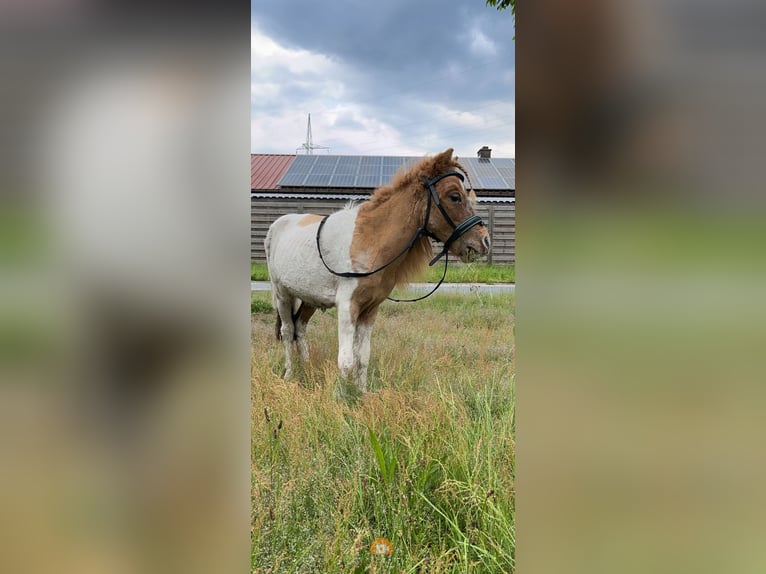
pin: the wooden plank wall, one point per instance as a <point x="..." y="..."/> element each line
<point x="499" y="217"/>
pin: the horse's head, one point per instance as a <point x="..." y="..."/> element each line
<point x="455" y="207"/>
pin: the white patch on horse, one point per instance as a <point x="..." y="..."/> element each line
<point x="362" y="352"/>
<point x="295" y="269"/>
<point x="345" y="338"/>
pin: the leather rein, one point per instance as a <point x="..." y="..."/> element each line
<point x="457" y="231"/>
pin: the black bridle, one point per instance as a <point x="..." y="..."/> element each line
<point x="457" y="231"/>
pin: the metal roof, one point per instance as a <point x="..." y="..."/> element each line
<point x="348" y="196"/>
<point x="292" y="195"/>
<point x="369" y="172"/>
<point x="267" y="169"/>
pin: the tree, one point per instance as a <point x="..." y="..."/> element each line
<point x="503" y="4"/>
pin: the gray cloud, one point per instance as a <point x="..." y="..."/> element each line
<point x="396" y="73"/>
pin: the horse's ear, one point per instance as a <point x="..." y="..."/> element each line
<point x="446" y="155"/>
<point x="444" y="160"/>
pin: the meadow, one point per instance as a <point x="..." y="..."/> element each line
<point x="478" y="272"/>
<point x="425" y="459"/>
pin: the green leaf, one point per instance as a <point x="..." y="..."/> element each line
<point x="378" y="451"/>
<point x="386" y="462"/>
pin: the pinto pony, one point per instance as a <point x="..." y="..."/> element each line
<point x="353" y="258"/>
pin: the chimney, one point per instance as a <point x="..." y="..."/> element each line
<point x="485" y="152"/>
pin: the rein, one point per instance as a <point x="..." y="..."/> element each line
<point x="457" y="231"/>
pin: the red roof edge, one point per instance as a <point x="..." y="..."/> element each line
<point x="267" y="169"/>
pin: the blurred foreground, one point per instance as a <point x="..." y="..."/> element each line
<point x="124" y="332"/>
<point x="641" y="274"/>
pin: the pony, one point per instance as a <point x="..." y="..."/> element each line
<point x="353" y="258"/>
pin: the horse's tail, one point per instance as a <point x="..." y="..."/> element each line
<point x="295" y="315"/>
<point x="266" y="248"/>
<point x="278" y="329"/>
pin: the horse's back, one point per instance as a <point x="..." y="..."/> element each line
<point x="295" y="268"/>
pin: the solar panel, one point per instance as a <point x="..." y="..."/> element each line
<point x="374" y="171"/>
<point x="346" y="166"/>
<point x="318" y="180"/>
<point x="346" y="169"/>
<point x="509" y="175"/>
<point x="393" y="160"/>
<point x="368" y="181"/>
<point x="292" y="179"/>
<point x="324" y="165"/>
<point x="369" y="170"/>
<point x="342" y="180"/>
<point x="484" y="171"/>
<point x="302" y="164"/>
<point x="486" y="182"/>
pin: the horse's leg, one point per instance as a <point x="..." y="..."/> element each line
<point x="304" y="314"/>
<point x="287" y="330"/>
<point x="362" y="347"/>
<point x="346" y="330"/>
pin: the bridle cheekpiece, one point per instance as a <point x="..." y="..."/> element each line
<point x="457" y="230"/>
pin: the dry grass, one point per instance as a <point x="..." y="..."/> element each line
<point x="426" y="459"/>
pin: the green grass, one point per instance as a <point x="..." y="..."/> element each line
<point x="456" y="273"/>
<point x="426" y="459"/>
<point x="259" y="271"/>
<point x="473" y="273"/>
<point x="260" y="305"/>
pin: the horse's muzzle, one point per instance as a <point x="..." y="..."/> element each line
<point x="475" y="245"/>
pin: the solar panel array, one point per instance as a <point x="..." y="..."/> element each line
<point x="356" y="171"/>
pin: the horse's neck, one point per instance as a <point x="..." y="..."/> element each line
<point x="386" y="228"/>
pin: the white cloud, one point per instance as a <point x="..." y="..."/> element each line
<point x="266" y="56"/>
<point x="277" y="71"/>
<point x="481" y="45"/>
<point x="287" y="84"/>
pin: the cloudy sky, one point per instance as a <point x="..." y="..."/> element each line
<point x="385" y="77"/>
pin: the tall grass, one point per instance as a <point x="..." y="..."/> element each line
<point x="456" y="273"/>
<point x="426" y="459"/>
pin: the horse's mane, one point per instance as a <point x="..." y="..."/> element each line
<point x="408" y="176"/>
<point x="408" y="180"/>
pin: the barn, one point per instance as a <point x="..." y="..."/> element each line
<point x="321" y="184"/>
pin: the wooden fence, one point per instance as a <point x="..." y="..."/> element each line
<point x="499" y="217"/>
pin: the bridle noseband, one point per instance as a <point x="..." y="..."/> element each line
<point x="457" y="231"/>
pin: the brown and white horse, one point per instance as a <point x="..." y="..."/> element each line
<point x="354" y="258"/>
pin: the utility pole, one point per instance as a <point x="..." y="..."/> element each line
<point x="309" y="144"/>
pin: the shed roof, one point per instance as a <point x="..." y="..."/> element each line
<point x="370" y="172"/>
<point x="354" y="196"/>
<point x="266" y="169"/>
<point x="291" y="173"/>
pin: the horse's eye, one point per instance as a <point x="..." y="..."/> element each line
<point x="455" y="197"/>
